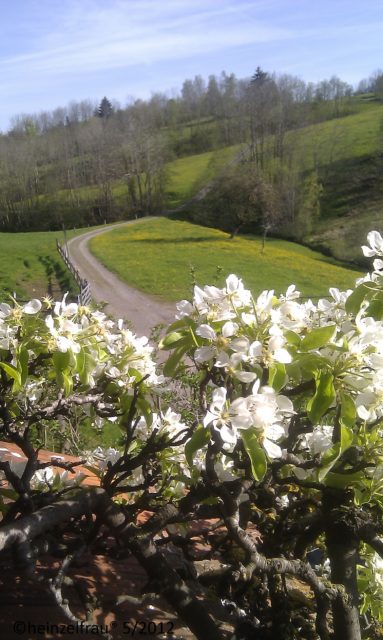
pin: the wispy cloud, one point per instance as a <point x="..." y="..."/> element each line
<point x="90" y="37"/>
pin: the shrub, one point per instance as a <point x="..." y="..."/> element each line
<point x="276" y="440"/>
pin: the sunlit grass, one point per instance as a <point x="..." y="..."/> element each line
<point x="187" y="175"/>
<point x="335" y="140"/>
<point x="157" y="256"/>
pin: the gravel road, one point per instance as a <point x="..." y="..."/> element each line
<point x="142" y="310"/>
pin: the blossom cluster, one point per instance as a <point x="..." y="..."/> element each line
<point x="85" y="345"/>
<point x="263" y="410"/>
<point x="258" y="350"/>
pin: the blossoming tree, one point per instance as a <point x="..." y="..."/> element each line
<point x="261" y="437"/>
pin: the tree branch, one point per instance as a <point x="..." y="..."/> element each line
<point x="95" y="500"/>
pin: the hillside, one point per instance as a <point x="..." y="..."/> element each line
<point x="323" y="186"/>
<point x="186" y="176"/>
<point x="349" y="157"/>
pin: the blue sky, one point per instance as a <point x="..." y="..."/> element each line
<point x="55" y="51"/>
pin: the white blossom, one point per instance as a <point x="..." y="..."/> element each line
<point x="227" y="418"/>
<point x="103" y="456"/>
<point x="32" y="307"/>
<point x="375" y="241"/>
<point x="319" y="440"/>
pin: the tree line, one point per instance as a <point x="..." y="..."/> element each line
<point x="89" y="163"/>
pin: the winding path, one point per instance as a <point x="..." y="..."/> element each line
<point x="142" y="310"/>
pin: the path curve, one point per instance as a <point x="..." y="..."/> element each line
<point x="122" y="301"/>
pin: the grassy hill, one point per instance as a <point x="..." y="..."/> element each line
<point x="187" y="175"/>
<point x="346" y="154"/>
<point x="184" y="178"/>
<point x="164" y="256"/>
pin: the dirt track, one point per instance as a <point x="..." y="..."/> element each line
<point x="142" y="310"/>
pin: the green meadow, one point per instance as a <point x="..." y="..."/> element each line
<point x="187" y="175"/>
<point x="339" y="139"/>
<point x="164" y="257"/>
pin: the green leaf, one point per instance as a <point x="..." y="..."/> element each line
<point x="174" y="360"/>
<point x="13" y="373"/>
<point x="85" y="363"/>
<point x="199" y="439"/>
<point x="11" y="494"/>
<point x="375" y="308"/>
<point x="211" y="501"/>
<point x="343" y="480"/>
<point x="294" y="372"/>
<point x="61" y="360"/>
<point x="354" y="301"/>
<point x="22" y="364"/>
<point x="328" y="460"/>
<point x="146" y="409"/>
<point x="56" y="481"/>
<point x="171" y="340"/>
<point x="318" y="337"/>
<point x="292" y="338"/>
<point x="348" y="410"/>
<point x="333" y="454"/>
<point x="277" y="376"/>
<point x="255" y="452"/>
<point x="67" y="382"/>
<point x="125" y="402"/>
<point x="134" y="446"/>
<point x="323" y="397"/>
<point x="182" y="323"/>
<point x="310" y="363"/>
<point x="96" y="470"/>
<point x="346" y="437"/>
<point x="4" y="507"/>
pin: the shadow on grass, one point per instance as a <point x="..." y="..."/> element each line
<point x="56" y="273"/>
<point x="175" y="240"/>
<point x="47" y="263"/>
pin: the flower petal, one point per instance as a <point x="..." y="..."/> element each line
<point x="273" y="450"/>
<point x="206" y="331"/>
<point x="32" y="307"/>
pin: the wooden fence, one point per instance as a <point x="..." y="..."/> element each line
<point x="85" y="296"/>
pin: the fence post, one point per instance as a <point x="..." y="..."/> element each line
<point x="85" y="295"/>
